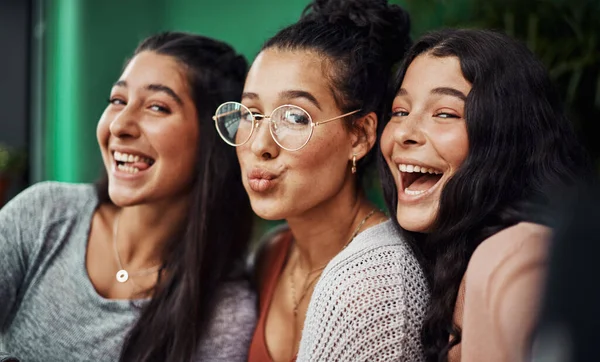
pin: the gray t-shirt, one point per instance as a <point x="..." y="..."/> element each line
<point x="49" y="309"/>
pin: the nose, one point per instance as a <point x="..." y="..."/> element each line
<point x="262" y="143"/>
<point x="125" y="125"/>
<point x="407" y="131"/>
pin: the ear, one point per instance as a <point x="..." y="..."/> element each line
<point x="364" y="135"/>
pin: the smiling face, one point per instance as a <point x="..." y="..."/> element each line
<point x="148" y="133"/>
<point x="280" y="183"/>
<point x="426" y="140"/>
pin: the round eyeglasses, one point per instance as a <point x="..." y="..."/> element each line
<point x="291" y="126"/>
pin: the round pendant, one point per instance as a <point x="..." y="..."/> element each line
<point x="122" y="276"/>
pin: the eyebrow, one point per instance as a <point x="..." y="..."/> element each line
<point x="401" y="92"/>
<point x="288" y="94"/>
<point x="155" y="88"/>
<point x="250" y="95"/>
<point x="446" y="91"/>
<point x="291" y="94"/>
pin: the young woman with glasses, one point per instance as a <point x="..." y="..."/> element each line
<point x="337" y="284"/>
<point x="143" y="267"/>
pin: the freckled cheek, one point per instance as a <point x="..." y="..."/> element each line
<point x="324" y="161"/>
<point x="453" y="147"/>
<point x="179" y="147"/>
<point x="306" y="166"/>
<point x="461" y="150"/>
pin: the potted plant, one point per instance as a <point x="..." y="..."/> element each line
<point x="12" y="163"/>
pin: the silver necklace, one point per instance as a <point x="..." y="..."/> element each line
<point x="123" y="275"/>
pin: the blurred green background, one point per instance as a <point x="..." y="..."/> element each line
<point x="81" y="45"/>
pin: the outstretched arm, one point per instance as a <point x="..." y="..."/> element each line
<point x="503" y="289"/>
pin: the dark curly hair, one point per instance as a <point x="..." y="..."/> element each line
<point x="521" y="145"/>
<point x="361" y="40"/>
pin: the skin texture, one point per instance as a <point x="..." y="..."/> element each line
<point x="151" y="122"/>
<point x="150" y="114"/>
<point x="428" y="129"/>
<point x="325" y="158"/>
<point x="313" y="188"/>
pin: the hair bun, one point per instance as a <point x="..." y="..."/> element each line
<point x="386" y="25"/>
<point x="360" y="12"/>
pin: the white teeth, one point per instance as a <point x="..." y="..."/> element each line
<point x="125" y="157"/>
<point x="421" y="169"/>
<point x="413" y="192"/>
<point x="128" y="169"/>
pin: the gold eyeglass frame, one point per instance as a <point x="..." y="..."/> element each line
<point x="256" y="118"/>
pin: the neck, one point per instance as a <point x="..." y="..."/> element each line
<point x="144" y="230"/>
<point x="322" y="232"/>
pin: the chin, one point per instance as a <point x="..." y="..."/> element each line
<point x="267" y="210"/>
<point x="123" y="198"/>
<point x="270" y="215"/>
<point x="414" y="222"/>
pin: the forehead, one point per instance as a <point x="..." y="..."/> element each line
<point x="427" y="72"/>
<point x="275" y="71"/>
<point x="149" y="67"/>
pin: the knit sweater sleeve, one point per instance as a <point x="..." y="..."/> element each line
<point x="369" y="304"/>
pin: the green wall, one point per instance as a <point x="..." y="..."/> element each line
<point x="86" y="43"/>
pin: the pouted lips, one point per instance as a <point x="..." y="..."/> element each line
<point x="418" y="179"/>
<point x="261" y="180"/>
<point x="132" y="163"/>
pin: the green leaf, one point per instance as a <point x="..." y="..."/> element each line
<point x="11" y="160"/>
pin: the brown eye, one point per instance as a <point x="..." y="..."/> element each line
<point x="446" y="115"/>
<point x="117" y="102"/>
<point x="399" y="114"/>
<point x="160" y="109"/>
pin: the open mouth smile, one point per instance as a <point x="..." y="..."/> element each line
<point x="132" y="163"/>
<point x="417" y="180"/>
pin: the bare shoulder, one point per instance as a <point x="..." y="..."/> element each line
<point x="506" y="254"/>
<point x="503" y="283"/>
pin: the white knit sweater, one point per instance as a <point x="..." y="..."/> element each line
<point x="369" y="303"/>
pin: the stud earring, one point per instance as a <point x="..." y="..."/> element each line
<point x="354" y="163"/>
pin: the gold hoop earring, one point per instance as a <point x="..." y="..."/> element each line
<point x="354" y="163"/>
